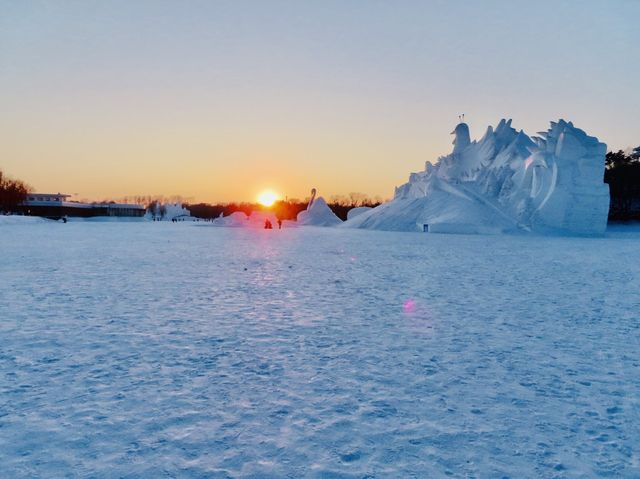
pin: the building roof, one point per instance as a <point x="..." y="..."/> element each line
<point x="49" y="194"/>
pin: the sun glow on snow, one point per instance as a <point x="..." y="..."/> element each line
<point x="267" y="198"/>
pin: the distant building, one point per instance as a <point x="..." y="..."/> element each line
<point x="58" y="206"/>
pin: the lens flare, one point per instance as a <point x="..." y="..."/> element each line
<point x="409" y="306"/>
<point x="267" y="198"/>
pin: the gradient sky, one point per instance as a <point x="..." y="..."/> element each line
<point x="217" y="100"/>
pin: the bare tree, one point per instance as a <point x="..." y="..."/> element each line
<point x="12" y="193"/>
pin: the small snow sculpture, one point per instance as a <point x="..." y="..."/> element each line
<point x="235" y="219"/>
<point x="318" y="213"/>
<point x="169" y="212"/>
<point x="506" y="181"/>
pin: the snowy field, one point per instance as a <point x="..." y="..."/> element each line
<point x="173" y="350"/>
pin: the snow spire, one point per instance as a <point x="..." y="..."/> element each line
<point x="463" y="138"/>
<point x="313" y="197"/>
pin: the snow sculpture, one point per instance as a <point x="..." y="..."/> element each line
<point x="506" y="181"/>
<point x="358" y="210"/>
<point x="318" y="213"/>
<point x="169" y="212"/>
<point x="235" y="219"/>
<point x="463" y="137"/>
<point x="313" y="197"/>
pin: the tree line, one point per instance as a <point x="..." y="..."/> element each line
<point x="12" y="193"/>
<point x="622" y="173"/>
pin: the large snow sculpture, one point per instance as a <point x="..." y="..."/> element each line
<point x="358" y="210"/>
<point x="318" y="213"/>
<point x="504" y="182"/>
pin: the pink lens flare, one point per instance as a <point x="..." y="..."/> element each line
<point x="409" y="306"/>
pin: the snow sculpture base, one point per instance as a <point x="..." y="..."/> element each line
<point x="358" y="210"/>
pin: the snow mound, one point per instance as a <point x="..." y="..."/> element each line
<point x="236" y="220"/>
<point x="504" y="182"/>
<point x="258" y="219"/>
<point x="442" y="212"/>
<point x="318" y="213"/>
<point x="353" y="212"/>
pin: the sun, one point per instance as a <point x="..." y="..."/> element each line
<point x="267" y="198"/>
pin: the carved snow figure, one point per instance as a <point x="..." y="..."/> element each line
<point x="313" y="197"/>
<point x="504" y="182"/>
<point x="317" y="213"/>
<point x="463" y="137"/>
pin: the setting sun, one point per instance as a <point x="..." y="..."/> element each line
<point x="267" y="198"/>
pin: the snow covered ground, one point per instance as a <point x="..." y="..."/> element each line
<point x="172" y="350"/>
<point x="21" y="220"/>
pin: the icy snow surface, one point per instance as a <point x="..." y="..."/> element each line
<point x="172" y="350"/>
<point x="18" y="219"/>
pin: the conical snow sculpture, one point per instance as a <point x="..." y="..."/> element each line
<point x="318" y="213"/>
<point x="505" y="182"/>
